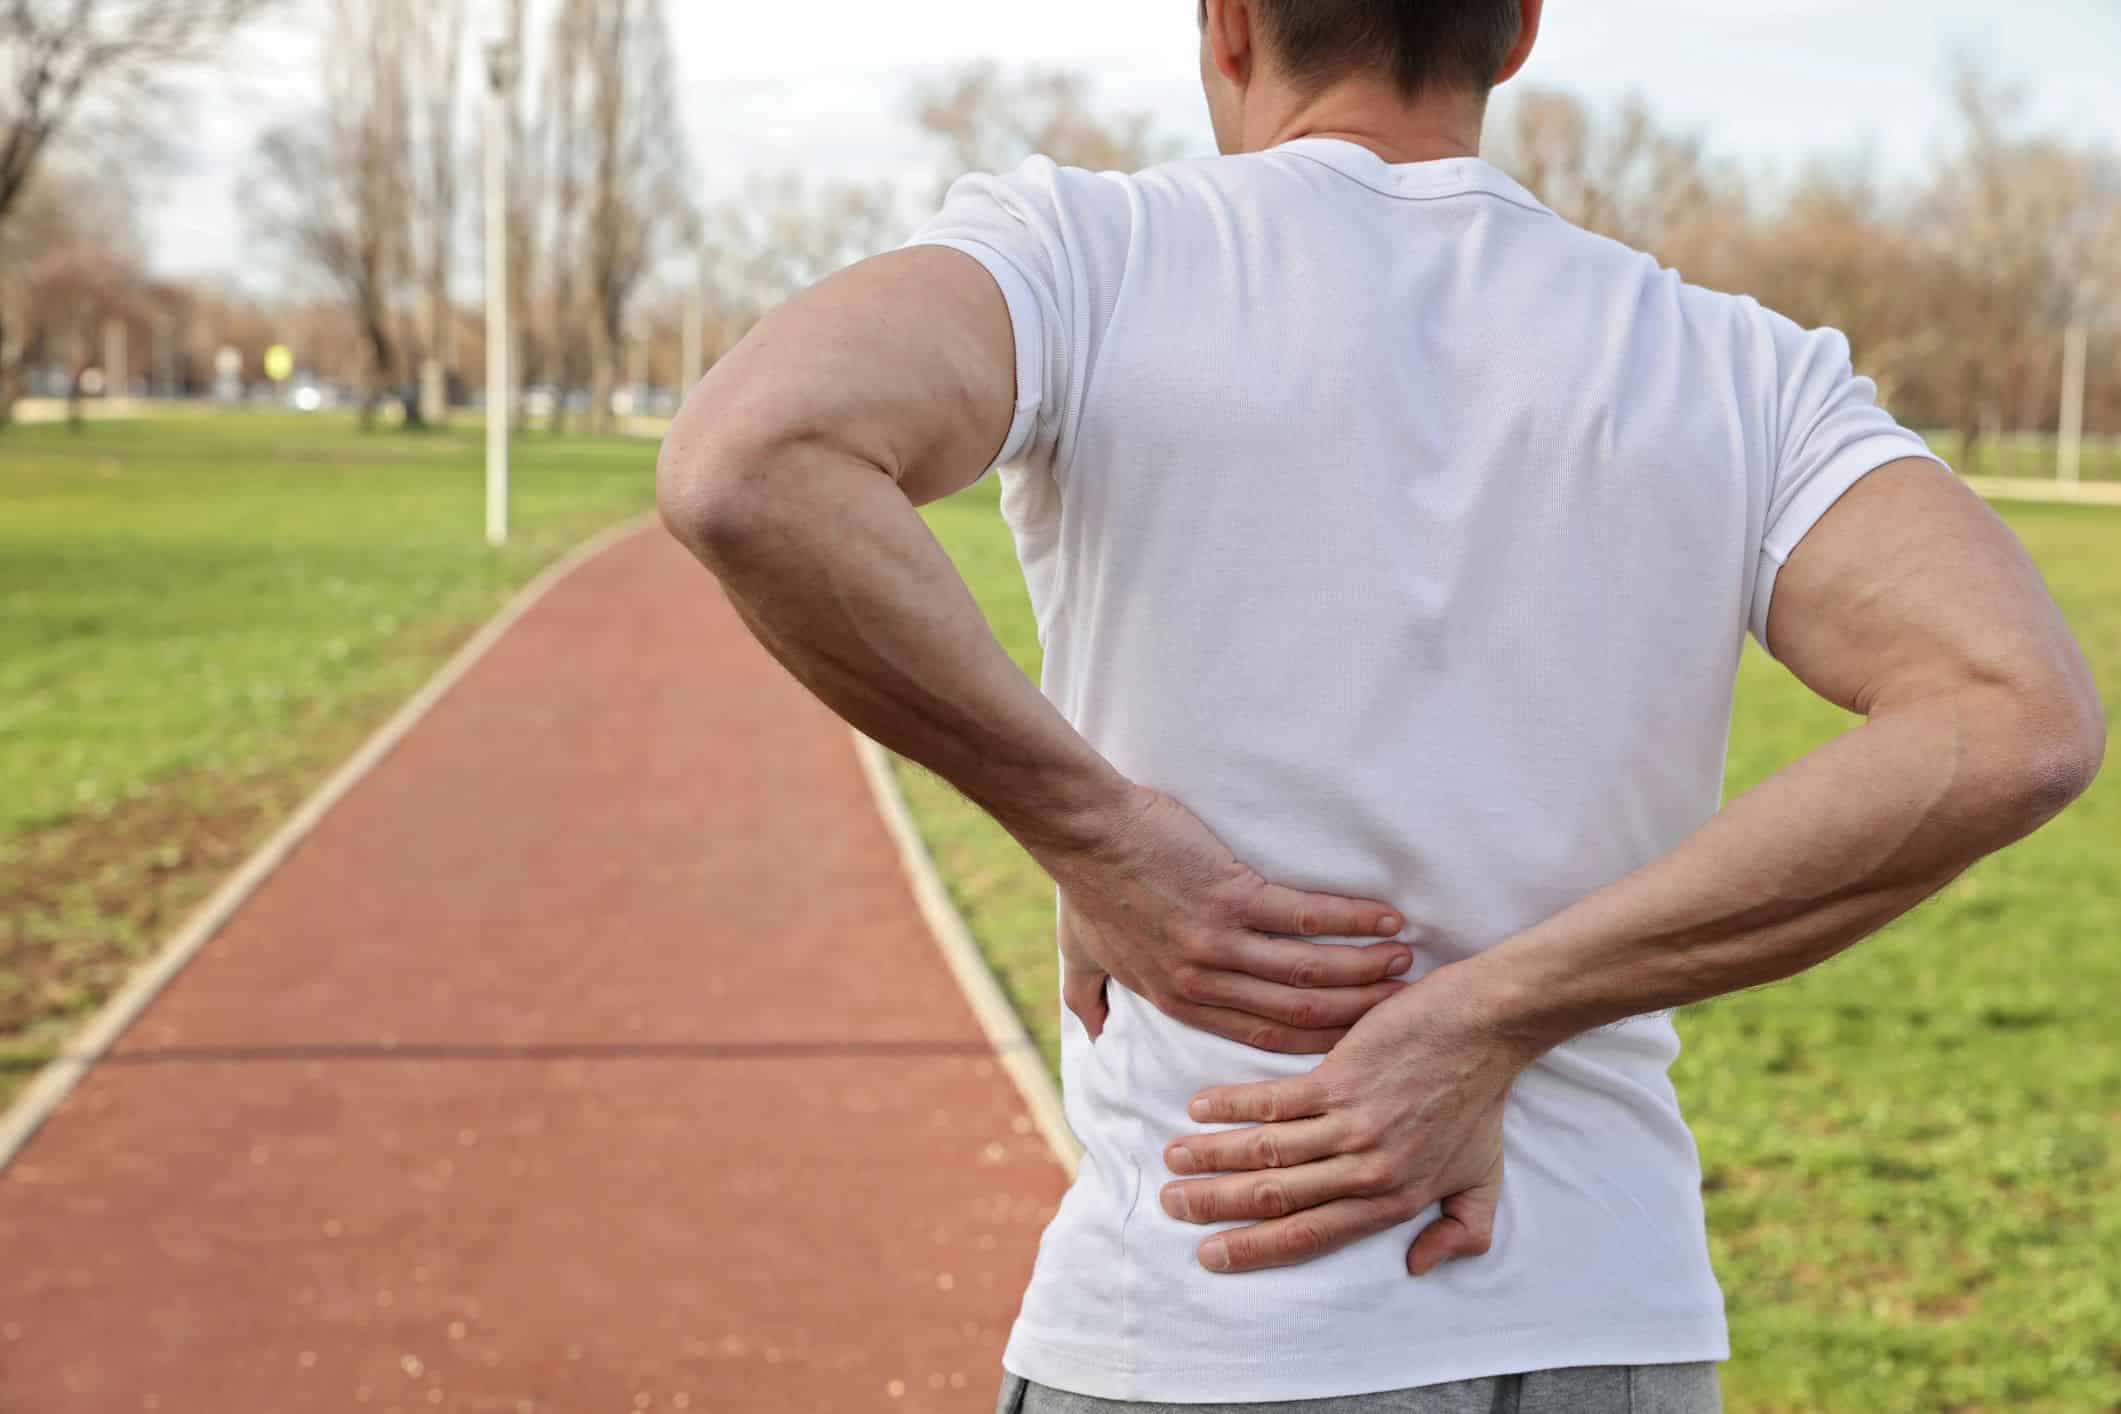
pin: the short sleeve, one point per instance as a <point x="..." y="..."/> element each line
<point x="1829" y="433"/>
<point x="1013" y="226"/>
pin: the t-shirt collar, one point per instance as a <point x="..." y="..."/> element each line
<point x="1438" y="176"/>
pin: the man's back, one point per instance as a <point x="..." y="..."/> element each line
<point x="1409" y="536"/>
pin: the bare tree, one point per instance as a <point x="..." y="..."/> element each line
<point x="70" y="262"/>
<point x="990" y="120"/>
<point x="69" y="68"/>
<point x="333" y="187"/>
<point x="2013" y="226"/>
<point x="622" y="195"/>
<point x="438" y="54"/>
<point x="783" y="234"/>
<point x="1623" y="175"/>
<point x="524" y="205"/>
<point x="59" y="58"/>
<point x="562" y="122"/>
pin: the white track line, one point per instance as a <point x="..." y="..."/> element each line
<point x="1013" y="1046"/>
<point x="57" y="1079"/>
<point x="2031" y="488"/>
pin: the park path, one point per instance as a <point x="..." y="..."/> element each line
<point x="591" y="1055"/>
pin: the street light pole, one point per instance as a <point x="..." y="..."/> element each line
<point x="2069" y="443"/>
<point x="500" y="90"/>
<point x="693" y="354"/>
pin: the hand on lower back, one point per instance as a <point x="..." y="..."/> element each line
<point x="1163" y="907"/>
<point x="1407" y="1111"/>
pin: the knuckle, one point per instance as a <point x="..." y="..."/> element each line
<point x="1371" y="1174"/>
<point x="1306" y="1013"/>
<point x="1230" y="902"/>
<point x="1362" y="1129"/>
<point x="1267" y="1037"/>
<point x="1270" y="1198"/>
<point x="1305" y="973"/>
<point x="1404" y="1205"/>
<point x="1266" y="1150"/>
<point x="1307" y="918"/>
<point x="1198" y="945"/>
<point x="1306" y="1237"/>
<point x="1189" y="980"/>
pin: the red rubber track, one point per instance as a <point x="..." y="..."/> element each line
<point x="590" y="1056"/>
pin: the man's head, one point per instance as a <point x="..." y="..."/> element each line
<point x="1266" y="62"/>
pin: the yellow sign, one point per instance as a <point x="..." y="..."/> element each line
<point x="279" y="363"/>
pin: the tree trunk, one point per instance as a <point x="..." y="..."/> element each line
<point x="379" y="370"/>
<point x="10" y="382"/>
<point x="603" y="376"/>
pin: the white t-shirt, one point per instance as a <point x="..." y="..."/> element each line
<point x="1409" y="535"/>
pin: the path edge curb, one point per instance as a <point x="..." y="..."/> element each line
<point x="2036" y="489"/>
<point x="1019" y="1055"/>
<point x="89" y="1044"/>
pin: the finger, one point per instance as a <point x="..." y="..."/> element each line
<point x="1284" y="1242"/>
<point x="1259" y="1146"/>
<point x="1305" y="1008"/>
<point x="1084" y="992"/>
<point x="1267" y="1101"/>
<point x="1300" y="964"/>
<point x="1466" y="1229"/>
<point x="1274" y="909"/>
<point x="1274" y="1193"/>
<point x="1255" y="1031"/>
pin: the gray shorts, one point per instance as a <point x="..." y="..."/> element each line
<point x="1588" y="1389"/>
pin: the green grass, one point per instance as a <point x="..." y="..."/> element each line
<point x="198" y="618"/>
<point x="2029" y="454"/>
<point x="1910" y="1152"/>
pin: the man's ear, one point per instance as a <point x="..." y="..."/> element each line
<point x="1228" y="25"/>
<point x="1528" y="12"/>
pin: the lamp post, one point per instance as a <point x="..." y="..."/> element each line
<point x="693" y="354"/>
<point x="500" y="92"/>
<point x="2069" y="444"/>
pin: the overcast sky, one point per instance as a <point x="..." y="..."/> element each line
<point x="821" y="86"/>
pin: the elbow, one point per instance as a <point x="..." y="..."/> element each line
<point x="704" y="491"/>
<point x="2078" y="756"/>
<point x="2059" y="747"/>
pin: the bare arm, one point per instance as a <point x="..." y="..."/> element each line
<point x="793" y="472"/>
<point x="1913" y="605"/>
<point x="1909" y="602"/>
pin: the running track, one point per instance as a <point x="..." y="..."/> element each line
<point x="590" y="1056"/>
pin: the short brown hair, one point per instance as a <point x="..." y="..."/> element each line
<point x="1417" y="44"/>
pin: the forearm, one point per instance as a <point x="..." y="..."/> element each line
<point x="1814" y="859"/>
<point x="835" y="572"/>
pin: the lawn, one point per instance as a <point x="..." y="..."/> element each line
<point x="199" y="618"/>
<point x="2029" y="454"/>
<point x="1910" y="1152"/>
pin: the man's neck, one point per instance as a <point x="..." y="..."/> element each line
<point x="1372" y="115"/>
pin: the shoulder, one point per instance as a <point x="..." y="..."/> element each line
<point x="1040" y="188"/>
<point x="1040" y="192"/>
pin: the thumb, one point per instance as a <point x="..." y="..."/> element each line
<point x="1082" y="981"/>
<point x="1466" y="1228"/>
<point x="1084" y="992"/>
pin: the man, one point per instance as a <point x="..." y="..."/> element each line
<point x="1392" y="544"/>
